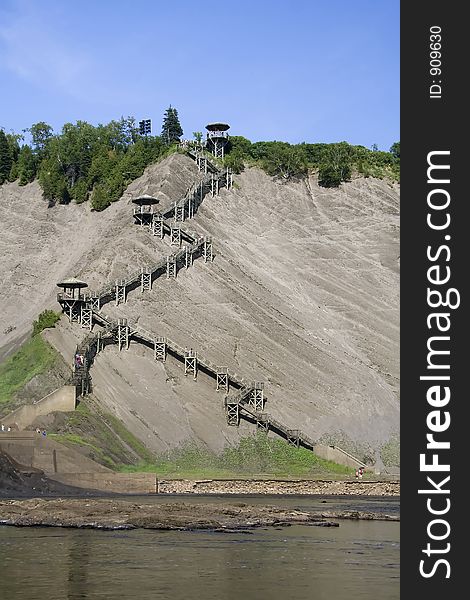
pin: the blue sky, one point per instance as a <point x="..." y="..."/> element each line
<point x="304" y="70"/>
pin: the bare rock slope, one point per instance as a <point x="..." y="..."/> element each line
<point x="302" y="294"/>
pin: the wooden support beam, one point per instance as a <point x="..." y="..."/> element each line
<point x="293" y="437"/>
<point x="207" y="249"/>
<point x="190" y="207"/>
<point x="262" y="422"/>
<point x="145" y="279"/>
<point x="188" y="256"/>
<point x="95" y="302"/>
<point x="157" y="225"/>
<point x="171" y="267"/>
<point x="256" y="399"/>
<point x="86" y="316"/>
<point x="159" y="349"/>
<point x="123" y="334"/>
<point x="190" y="363"/>
<point x="179" y="212"/>
<point x="222" y="380"/>
<point x="232" y="411"/>
<point x="120" y="294"/>
<point x="175" y="236"/>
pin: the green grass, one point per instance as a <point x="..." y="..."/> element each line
<point x="36" y="356"/>
<point x="71" y="439"/>
<point x="102" y="435"/>
<point x="129" y="439"/>
<point x="256" y="456"/>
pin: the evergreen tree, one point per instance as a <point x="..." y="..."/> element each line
<point x="5" y="158"/>
<point x="171" y="128"/>
<point x="395" y="150"/>
<point x="26" y="165"/>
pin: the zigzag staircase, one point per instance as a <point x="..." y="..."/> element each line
<point x="246" y="401"/>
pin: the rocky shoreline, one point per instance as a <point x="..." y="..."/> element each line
<point x="289" y="487"/>
<point x="112" y="514"/>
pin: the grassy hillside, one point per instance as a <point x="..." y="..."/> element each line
<point x="99" y="435"/>
<point x="254" y="456"/>
<point x="35" y="357"/>
<point x="104" y="438"/>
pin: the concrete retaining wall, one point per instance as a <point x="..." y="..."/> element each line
<point x="68" y="466"/>
<point x="337" y="455"/>
<point x="33" y="450"/>
<point x="121" y="483"/>
<point x="61" y="400"/>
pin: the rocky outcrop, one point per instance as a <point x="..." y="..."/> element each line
<point x="114" y="514"/>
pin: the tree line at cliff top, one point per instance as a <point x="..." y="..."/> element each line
<point x="96" y="163"/>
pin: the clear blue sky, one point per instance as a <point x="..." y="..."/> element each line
<point x="304" y="70"/>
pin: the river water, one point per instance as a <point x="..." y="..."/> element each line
<point x="359" y="560"/>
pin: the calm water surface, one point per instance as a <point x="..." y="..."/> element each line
<point x="355" y="561"/>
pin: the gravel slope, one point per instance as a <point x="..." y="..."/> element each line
<point x="303" y="294"/>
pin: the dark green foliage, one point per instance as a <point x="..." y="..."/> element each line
<point x="83" y="161"/>
<point x="282" y="159"/>
<point x="52" y="181"/>
<point x="334" y="163"/>
<point x="100" y="198"/>
<point x="14" y="140"/>
<point x="234" y="161"/>
<point x="48" y="318"/>
<point x="329" y="176"/>
<point x="26" y="166"/>
<point x="13" y="172"/>
<point x="79" y="193"/>
<point x="171" y="128"/>
<point x="395" y="150"/>
<point x="239" y="144"/>
<point x="41" y="133"/>
<point x="6" y="160"/>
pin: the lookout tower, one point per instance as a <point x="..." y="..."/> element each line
<point x="71" y="299"/>
<point x="217" y="138"/>
<point x="144" y="212"/>
<point x="72" y="288"/>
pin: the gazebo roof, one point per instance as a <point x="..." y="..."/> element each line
<point x="217" y="126"/>
<point x="145" y="199"/>
<point x="72" y="282"/>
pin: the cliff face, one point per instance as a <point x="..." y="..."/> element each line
<point x="302" y="294"/>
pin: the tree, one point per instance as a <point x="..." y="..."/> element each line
<point x="395" y="150"/>
<point x="171" y="128"/>
<point x="5" y="158"/>
<point x="100" y="198"/>
<point x="41" y="133"/>
<point x="198" y="137"/>
<point x="284" y="160"/>
<point x="26" y="165"/>
<point x="52" y="181"/>
<point x="329" y="176"/>
<point x="48" y="318"/>
<point x="234" y="161"/>
<point x="240" y="144"/>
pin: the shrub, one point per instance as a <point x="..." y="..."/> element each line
<point x="48" y="318"/>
